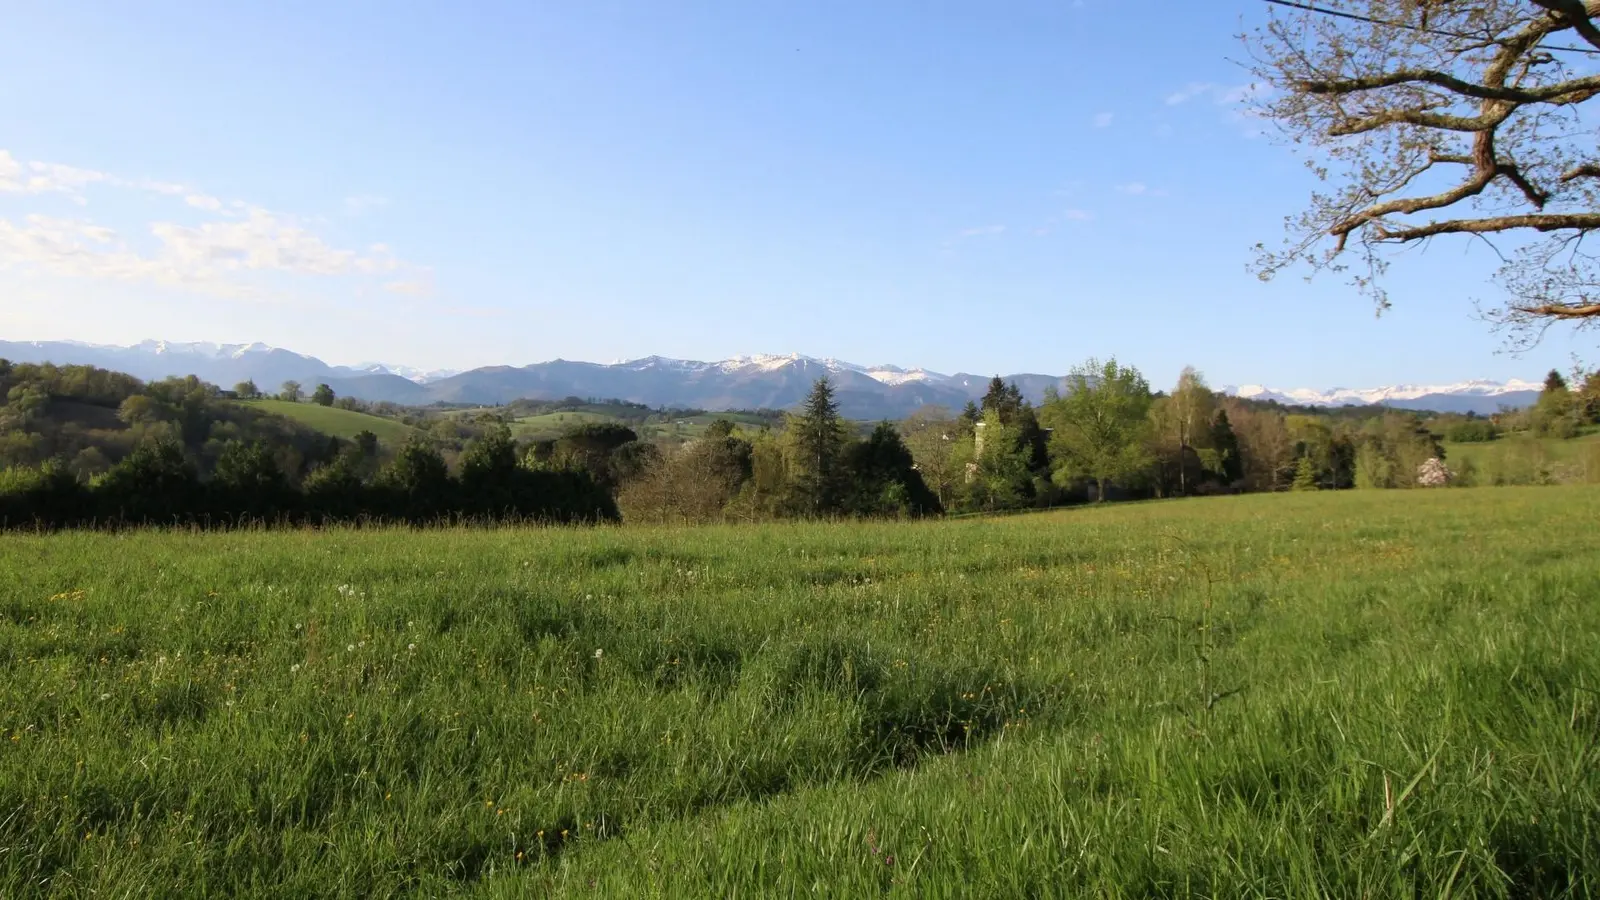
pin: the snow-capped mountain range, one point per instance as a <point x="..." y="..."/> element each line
<point x="1399" y="392"/>
<point x="743" y="382"/>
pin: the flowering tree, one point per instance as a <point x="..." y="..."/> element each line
<point x="1434" y="473"/>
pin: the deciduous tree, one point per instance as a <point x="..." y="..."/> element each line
<point x="1443" y="118"/>
<point x="1100" y="425"/>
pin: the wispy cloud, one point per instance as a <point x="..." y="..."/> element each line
<point x="219" y="256"/>
<point x="1190" y="91"/>
<point x="1139" y="189"/>
<point x="1102" y="120"/>
<point x="364" y="203"/>
<point x="982" y="230"/>
<point x="1076" y="215"/>
<point x="1220" y="94"/>
<point x="36" y="177"/>
<point x="419" y="287"/>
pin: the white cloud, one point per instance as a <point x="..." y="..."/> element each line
<point x="44" y="178"/>
<point x="264" y="242"/>
<point x="1190" y="91"/>
<point x="216" y="256"/>
<point x="57" y="178"/>
<point x="1140" y="189"/>
<point x="1220" y="94"/>
<point x="419" y="287"/>
<point x="1077" y="215"/>
<point x="1102" y="120"/>
<point x="362" y="204"/>
<point x="983" y="230"/>
<point x="78" y="249"/>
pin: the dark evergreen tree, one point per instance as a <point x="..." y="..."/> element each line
<point x="818" y="435"/>
<point x="417" y="483"/>
<point x="248" y="483"/>
<point x="1554" y="383"/>
<point x="155" y="483"/>
<point x="1032" y="439"/>
<point x="334" y="491"/>
<point x="323" y="395"/>
<point x="589" y="448"/>
<point x="882" y="477"/>
<point x="634" y="459"/>
<point x="1230" y="467"/>
<point x="970" y="416"/>
<point x="1005" y="399"/>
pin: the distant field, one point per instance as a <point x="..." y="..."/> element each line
<point x="1354" y="694"/>
<point x="342" y="423"/>
<point x="1522" y="457"/>
<point x="553" y="425"/>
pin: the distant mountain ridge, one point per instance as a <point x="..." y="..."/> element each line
<point x="743" y="382"/>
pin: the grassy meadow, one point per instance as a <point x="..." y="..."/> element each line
<point x="344" y="423"/>
<point x="1362" y="694"/>
<point x="1524" y="459"/>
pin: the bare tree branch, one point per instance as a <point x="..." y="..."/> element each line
<point x="1577" y="15"/>
<point x="1576" y="90"/>
<point x="1388" y="103"/>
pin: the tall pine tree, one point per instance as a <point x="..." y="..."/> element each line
<point x="818" y="442"/>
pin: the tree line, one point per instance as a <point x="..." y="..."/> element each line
<point x="81" y="446"/>
<point x="1105" y="434"/>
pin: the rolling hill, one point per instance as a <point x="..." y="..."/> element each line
<point x="331" y="420"/>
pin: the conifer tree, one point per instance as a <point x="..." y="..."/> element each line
<point x="1305" y="475"/>
<point x="818" y="442"/>
<point x="1226" y="446"/>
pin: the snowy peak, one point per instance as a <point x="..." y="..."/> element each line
<point x="885" y="374"/>
<point x="1477" y="396"/>
<point x="1367" y="396"/>
<point x="410" y="373"/>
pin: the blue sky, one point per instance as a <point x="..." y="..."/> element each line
<point x="960" y="186"/>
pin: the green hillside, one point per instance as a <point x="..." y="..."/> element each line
<point x="331" y="420"/>
<point x="1523" y="459"/>
<point x="662" y="427"/>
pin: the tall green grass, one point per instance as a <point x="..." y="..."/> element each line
<point x="1359" y="694"/>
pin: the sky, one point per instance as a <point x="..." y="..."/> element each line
<point x="977" y="187"/>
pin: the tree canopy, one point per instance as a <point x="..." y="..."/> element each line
<point x="1434" y="118"/>
<point x="1100" y="424"/>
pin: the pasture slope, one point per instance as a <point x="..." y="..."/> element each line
<point x="342" y="423"/>
<point x="1363" y="694"/>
